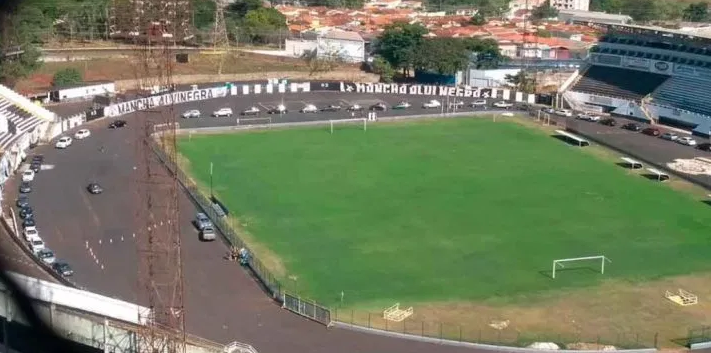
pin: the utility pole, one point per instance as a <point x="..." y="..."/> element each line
<point x="220" y="40"/>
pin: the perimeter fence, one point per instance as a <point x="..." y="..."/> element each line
<point x="481" y="333"/>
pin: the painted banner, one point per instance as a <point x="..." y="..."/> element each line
<point x="164" y="99"/>
<point x="417" y="90"/>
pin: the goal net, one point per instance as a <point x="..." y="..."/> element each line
<point x="560" y="263"/>
<point x="266" y="121"/>
<point x="360" y="123"/>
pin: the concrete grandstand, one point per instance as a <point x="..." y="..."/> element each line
<point x="648" y="74"/>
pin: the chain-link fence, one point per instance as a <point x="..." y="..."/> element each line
<point x="308" y="308"/>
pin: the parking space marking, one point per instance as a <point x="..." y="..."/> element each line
<point x="345" y="102"/>
<point x="264" y="106"/>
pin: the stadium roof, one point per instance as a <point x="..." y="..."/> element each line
<point x="700" y="33"/>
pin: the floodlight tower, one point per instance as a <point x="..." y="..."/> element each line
<point x="158" y="26"/>
<point x="220" y="39"/>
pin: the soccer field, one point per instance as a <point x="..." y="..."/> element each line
<point x="456" y="210"/>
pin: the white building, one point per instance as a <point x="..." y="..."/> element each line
<point x="86" y="90"/>
<point x="580" y="5"/>
<point x="341" y="45"/>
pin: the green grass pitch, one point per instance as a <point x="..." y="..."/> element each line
<point x="452" y="210"/>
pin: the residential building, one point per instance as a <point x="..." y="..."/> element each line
<point x="341" y="45"/>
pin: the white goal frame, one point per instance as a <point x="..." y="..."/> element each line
<point x="560" y="262"/>
<point x="364" y="120"/>
<point x="247" y="121"/>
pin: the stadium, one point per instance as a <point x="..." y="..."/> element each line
<point x="653" y="75"/>
<point x="478" y="234"/>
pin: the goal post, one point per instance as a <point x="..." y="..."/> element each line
<point x="255" y="121"/>
<point x="349" y="121"/>
<point x="560" y="262"/>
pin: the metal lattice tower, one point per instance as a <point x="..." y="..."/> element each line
<point x="220" y="39"/>
<point x="156" y="190"/>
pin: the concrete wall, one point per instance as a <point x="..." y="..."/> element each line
<point x="296" y="47"/>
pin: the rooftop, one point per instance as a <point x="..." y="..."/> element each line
<point x="343" y="35"/>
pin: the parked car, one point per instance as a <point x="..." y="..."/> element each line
<point x="202" y="221"/>
<point x="381" y="107"/>
<point x="63" y="142"/>
<point x="608" y="122"/>
<point x="503" y="104"/>
<point x="250" y="111"/>
<point x="36" y="166"/>
<point x="36" y="245"/>
<point x="631" y="127"/>
<point x="31" y="233"/>
<point x="28" y="175"/>
<point x="355" y="108"/>
<point x="549" y="110"/>
<point x="46" y="255"/>
<point x="687" y="141"/>
<point x="27" y="212"/>
<point x="331" y="108"/>
<point x="669" y="136"/>
<point x="63" y="268"/>
<point x="309" y="108"/>
<point x="481" y="103"/>
<point x="191" y="114"/>
<point x="456" y="104"/>
<point x="564" y="112"/>
<point x="117" y="124"/>
<point x="207" y="234"/>
<point x="402" y="105"/>
<point x="433" y="103"/>
<point x="222" y="112"/>
<point x="22" y="201"/>
<point x="25" y="187"/>
<point x="28" y="222"/>
<point x="651" y="131"/>
<point x="82" y="134"/>
<point x="704" y="146"/>
<point x="94" y="188"/>
<point x="279" y="109"/>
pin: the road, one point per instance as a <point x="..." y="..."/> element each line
<point x="95" y="233"/>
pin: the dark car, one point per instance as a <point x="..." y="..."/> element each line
<point x="36" y="166"/>
<point x="279" y="109"/>
<point x="631" y="127"/>
<point x="332" y="108"/>
<point x="29" y="222"/>
<point x="94" y="189"/>
<point x="25" y="187"/>
<point x="378" y="107"/>
<point x="63" y="269"/>
<point x="117" y="124"/>
<point x="608" y="122"/>
<point x="704" y="146"/>
<point x="27" y="212"/>
<point x="651" y="131"/>
<point x="22" y="201"/>
<point x="38" y="158"/>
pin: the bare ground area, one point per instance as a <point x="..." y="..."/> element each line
<point x="202" y="68"/>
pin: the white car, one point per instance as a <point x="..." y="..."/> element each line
<point x="31" y="233"/>
<point x="503" y="104"/>
<point x="549" y="111"/>
<point x="479" y="103"/>
<point x="222" y="112"/>
<point x="251" y="111"/>
<point x="63" y="142"/>
<point x="669" y="136"/>
<point x="82" y="134"/>
<point x="194" y="113"/>
<point x="36" y="245"/>
<point x="456" y="104"/>
<point x="47" y="256"/>
<point x="309" y="108"/>
<point x="564" y="112"/>
<point x="432" y="104"/>
<point x="28" y="175"/>
<point x="687" y="141"/>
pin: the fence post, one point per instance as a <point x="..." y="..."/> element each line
<point x="460" y="333"/>
<point x="422" y="332"/>
<point x="369" y="320"/>
<point x="656" y="340"/>
<point x="440" y="330"/>
<point x="386" y="324"/>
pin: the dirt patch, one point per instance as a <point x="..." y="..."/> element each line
<point x="201" y="68"/>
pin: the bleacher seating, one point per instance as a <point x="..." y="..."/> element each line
<point x="620" y="83"/>
<point x="685" y="93"/>
<point x="18" y="122"/>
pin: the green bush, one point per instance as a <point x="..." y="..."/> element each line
<point x="67" y="77"/>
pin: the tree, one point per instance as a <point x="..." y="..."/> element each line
<point x="238" y="9"/>
<point x="383" y="68"/>
<point x="397" y="44"/>
<point x="485" y="52"/>
<point x="478" y="19"/>
<point x="544" y="11"/>
<point x="316" y="63"/>
<point x="204" y="13"/>
<point x="522" y="81"/>
<point x="12" y="69"/>
<point x="260" y="23"/>
<point x="543" y="33"/>
<point x="698" y="12"/>
<point x="67" y="77"/>
<point x="445" y="56"/>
